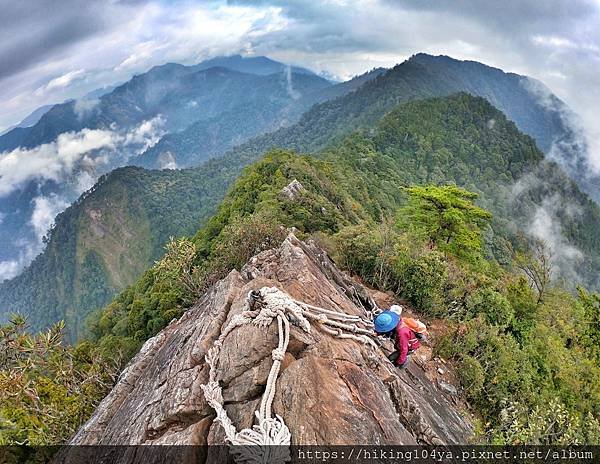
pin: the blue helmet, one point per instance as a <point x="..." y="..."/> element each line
<point x="386" y="321"/>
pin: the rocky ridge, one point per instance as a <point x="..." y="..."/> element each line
<point x="329" y="390"/>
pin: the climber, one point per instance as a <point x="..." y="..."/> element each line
<point x="390" y="324"/>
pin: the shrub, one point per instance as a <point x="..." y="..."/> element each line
<point x="523" y="302"/>
<point x="176" y="268"/>
<point x="446" y="347"/>
<point x="423" y="280"/>
<point x="493" y="305"/>
<point x="548" y="424"/>
<point x="59" y="385"/>
<point x="472" y="375"/>
<point x="244" y="238"/>
<point x="368" y="250"/>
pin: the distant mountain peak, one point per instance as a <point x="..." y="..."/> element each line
<point x="445" y="59"/>
<point x="260" y="65"/>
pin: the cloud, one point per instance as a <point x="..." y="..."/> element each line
<point x="29" y="35"/>
<point x="290" y="86"/>
<point x="12" y="267"/>
<point x="544" y="222"/>
<point x="166" y="160"/>
<point x="140" y="55"/>
<point x="84" y="181"/>
<point x="65" y="79"/>
<point x="51" y="161"/>
<point x="556" y="41"/>
<point x="75" y="160"/>
<point x="83" y="107"/>
<point x="9" y="269"/>
<point x="146" y="135"/>
<point x="545" y="226"/>
<point x="88" y="150"/>
<point x="44" y="212"/>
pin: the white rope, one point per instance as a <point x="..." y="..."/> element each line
<point x="262" y="307"/>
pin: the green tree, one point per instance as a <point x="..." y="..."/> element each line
<point x="590" y="330"/>
<point x="446" y="217"/>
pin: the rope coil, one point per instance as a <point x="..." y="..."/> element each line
<point x="261" y="308"/>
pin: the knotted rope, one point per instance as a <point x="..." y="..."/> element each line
<point x="262" y="307"/>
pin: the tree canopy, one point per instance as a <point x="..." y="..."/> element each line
<point x="445" y="215"/>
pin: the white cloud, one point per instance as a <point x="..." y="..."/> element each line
<point x="9" y="269"/>
<point x="545" y="226"/>
<point x="290" y="85"/>
<point x="50" y="161"/>
<point x="75" y="160"/>
<point x="87" y="149"/>
<point x="44" y="212"/>
<point x="552" y="41"/>
<point x="62" y="81"/>
<point x="84" y="106"/>
<point x="84" y="181"/>
<point x="586" y="133"/>
<point x="166" y="160"/>
<point x="147" y="134"/>
<point x="141" y="54"/>
<point x="544" y="223"/>
<point x="556" y="41"/>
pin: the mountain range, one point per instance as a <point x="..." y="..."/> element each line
<point x="105" y="240"/>
<point x="79" y="140"/>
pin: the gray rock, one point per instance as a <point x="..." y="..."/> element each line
<point x="292" y="190"/>
<point x="448" y="388"/>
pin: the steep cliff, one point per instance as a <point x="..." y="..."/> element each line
<point x="330" y="389"/>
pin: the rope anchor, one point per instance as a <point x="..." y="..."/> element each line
<point x="262" y="307"/>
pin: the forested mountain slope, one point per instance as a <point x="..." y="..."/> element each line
<point x="106" y="239"/>
<point x="207" y="138"/>
<point x="79" y="140"/>
<point x="327" y="122"/>
<point x="425" y="76"/>
<point x="517" y="348"/>
<point x="522" y="353"/>
<point x="167" y="89"/>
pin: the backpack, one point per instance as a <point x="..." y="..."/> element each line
<point x="418" y="327"/>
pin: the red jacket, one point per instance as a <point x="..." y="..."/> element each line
<point x="405" y="340"/>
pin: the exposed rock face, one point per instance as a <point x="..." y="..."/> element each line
<point x="292" y="190"/>
<point x="329" y="391"/>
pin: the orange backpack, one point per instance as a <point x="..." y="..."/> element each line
<point x="415" y="325"/>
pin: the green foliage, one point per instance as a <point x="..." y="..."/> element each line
<point x="507" y="345"/>
<point x="176" y="270"/>
<point x="251" y="219"/>
<point x="368" y="250"/>
<point x="589" y="330"/>
<point x="492" y="304"/>
<point x="548" y="424"/>
<point x="446" y="216"/>
<point x="106" y="240"/>
<point x="436" y="141"/>
<point x="58" y="386"/>
<point x="422" y="281"/>
<point x="523" y="302"/>
<point x="472" y="375"/>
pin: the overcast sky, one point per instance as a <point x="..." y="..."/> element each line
<point x="50" y="50"/>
